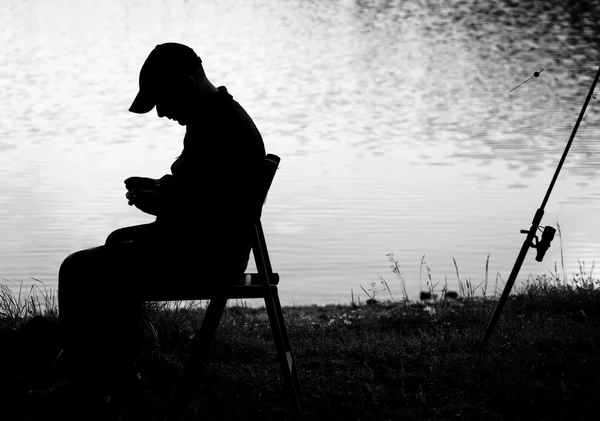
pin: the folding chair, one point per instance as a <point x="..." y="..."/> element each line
<point x="252" y="285"/>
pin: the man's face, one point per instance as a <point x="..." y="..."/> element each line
<point x="172" y="110"/>
<point x="175" y="101"/>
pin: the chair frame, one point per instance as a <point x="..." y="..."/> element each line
<point x="258" y="285"/>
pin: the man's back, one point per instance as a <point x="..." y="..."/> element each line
<point x="214" y="187"/>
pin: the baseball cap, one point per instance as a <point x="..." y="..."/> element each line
<point x="166" y="61"/>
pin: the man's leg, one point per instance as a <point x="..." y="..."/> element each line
<point x="101" y="292"/>
<point x="144" y="232"/>
<point x="98" y="316"/>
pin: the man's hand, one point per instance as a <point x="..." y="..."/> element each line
<point x="141" y="183"/>
<point x="147" y="201"/>
<point x="130" y="195"/>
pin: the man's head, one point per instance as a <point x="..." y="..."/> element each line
<point x="168" y="80"/>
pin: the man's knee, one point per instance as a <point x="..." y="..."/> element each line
<point x="78" y="263"/>
<point x="69" y="265"/>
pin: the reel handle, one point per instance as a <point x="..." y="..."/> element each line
<point x="542" y="245"/>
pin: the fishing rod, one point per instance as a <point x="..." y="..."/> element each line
<point x="548" y="232"/>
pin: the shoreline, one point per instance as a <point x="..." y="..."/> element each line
<point x="388" y="361"/>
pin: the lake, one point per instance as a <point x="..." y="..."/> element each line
<point x="393" y="119"/>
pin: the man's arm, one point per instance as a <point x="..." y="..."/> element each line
<point x="169" y="196"/>
<point x="147" y="201"/>
<point x="147" y="193"/>
<point x="158" y="197"/>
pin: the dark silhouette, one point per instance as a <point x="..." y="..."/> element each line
<point x="203" y="226"/>
<point x="28" y="352"/>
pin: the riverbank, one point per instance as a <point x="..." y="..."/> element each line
<point x="395" y="361"/>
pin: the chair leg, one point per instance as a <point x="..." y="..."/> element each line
<point x="284" y="352"/>
<point x="287" y="346"/>
<point x="194" y="368"/>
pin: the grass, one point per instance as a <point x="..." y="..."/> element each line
<point x="389" y="360"/>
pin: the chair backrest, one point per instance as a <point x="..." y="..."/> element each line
<point x="268" y="173"/>
<point x="270" y="167"/>
<point x="259" y="246"/>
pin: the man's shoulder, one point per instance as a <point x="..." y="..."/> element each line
<point x="226" y="118"/>
<point x="223" y="91"/>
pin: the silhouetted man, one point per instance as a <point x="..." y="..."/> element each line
<point x="205" y="210"/>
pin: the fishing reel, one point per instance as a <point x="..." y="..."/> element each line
<point x="542" y="245"/>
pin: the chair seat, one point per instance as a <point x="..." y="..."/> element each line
<point x="250" y="279"/>
<point x="247" y="286"/>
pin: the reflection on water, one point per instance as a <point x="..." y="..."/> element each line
<point x="394" y="122"/>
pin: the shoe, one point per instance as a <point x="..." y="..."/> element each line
<point x="69" y="395"/>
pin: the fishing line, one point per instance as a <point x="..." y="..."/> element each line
<point x="535" y="74"/>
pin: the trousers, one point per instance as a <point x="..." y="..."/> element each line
<point x="101" y="291"/>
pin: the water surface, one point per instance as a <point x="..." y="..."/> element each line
<point x="393" y="120"/>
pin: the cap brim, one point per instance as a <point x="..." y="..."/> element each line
<point x="142" y="104"/>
